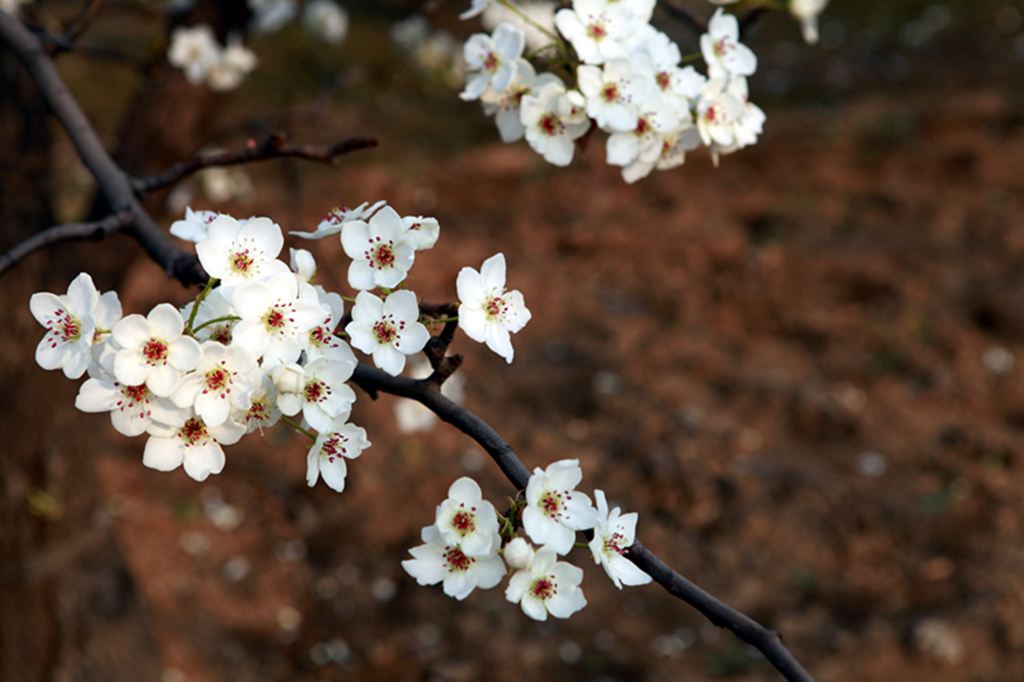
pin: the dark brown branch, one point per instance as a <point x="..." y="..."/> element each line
<point x="768" y="642"/>
<point x="81" y="22"/>
<point x="274" y="147"/>
<point x="112" y="181"/>
<point x="436" y="349"/>
<point x="62" y="233"/>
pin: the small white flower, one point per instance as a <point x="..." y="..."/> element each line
<point x="555" y="510"/>
<point x="518" y="553"/>
<point x="275" y="322"/>
<point x="613" y="94"/>
<point x="551" y="122"/>
<point x="193" y="444"/>
<point x="547" y="585"/>
<point x="718" y="114"/>
<point x="537" y="26"/>
<point x="235" y="252"/>
<point x="133" y="409"/>
<point x="807" y="12"/>
<point x="468" y="520"/>
<point x="235" y="63"/>
<point x="491" y="60"/>
<point x="323" y="395"/>
<point x="724" y="53"/>
<point x="194" y="50"/>
<point x="326" y="20"/>
<point x="153" y="350"/>
<point x="271" y="15"/>
<point x="488" y="313"/>
<point x="262" y="411"/>
<point x="644" y="142"/>
<point x="214" y="307"/>
<point x="327" y="456"/>
<point x="597" y="30"/>
<point x="422" y="231"/>
<point x="613" y="535"/>
<point x="222" y="380"/>
<point x="195" y="226"/>
<point x="438" y="562"/>
<point x="322" y="342"/>
<point x="504" y="106"/>
<point x="303" y="265"/>
<point x="388" y="330"/>
<point x="382" y="251"/>
<point x="72" y="322"/>
<point x="336" y="217"/>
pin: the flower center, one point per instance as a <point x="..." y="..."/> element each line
<point x="383" y="256"/>
<point x="276" y="319"/>
<point x="155" y="351"/>
<point x="614" y="543"/>
<point x="194" y="432"/>
<point x="663" y="79"/>
<point x="66" y="326"/>
<point x="386" y="331"/>
<point x="316" y="391"/>
<point x="464" y="522"/>
<point x="722" y="45"/>
<point x="550" y="124"/>
<point x="544" y="588"/>
<point x="643" y="126"/>
<point x="552" y="504"/>
<point x="597" y="30"/>
<point x="610" y="92"/>
<point x="491" y="62"/>
<point x="495" y="307"/>
<point x="258" y="411"/>
<point x="334" y="447"/>
<point x="455" y="560"/>
<point x="132" y="397"/>
<point x="710" y="115"/>
<point x="217" y="379"/>
<point x="221" y="335"/>
<point x="241" y="262"/>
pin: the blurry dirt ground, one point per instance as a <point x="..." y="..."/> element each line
<point x="799" y="368"/>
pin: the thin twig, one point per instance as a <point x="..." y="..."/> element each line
<point x="275" y="146"/>
<point x="63" y="233"/>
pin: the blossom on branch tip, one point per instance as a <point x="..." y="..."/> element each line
<point x="546" y="585"/>
<point x="322" y="394"/>
<point x="598" y="30"/>
<point x="552" y="121"/>
<point x="275" y="321"/>
<point x="73" y="323"/>
<point x="724" y="53"/>
<point x="194" y="227"/>
<point x="153" y="350"/>
<point x="491" y="60"/>
<point x="613" y="535"/>
<point x="468" y="520"/>
<point x="194" y="50"/>
<point x="436" y="561"/>
<point x="193" y="444"/>
<point x="381" y="250"/>
<point x="488" y="313"/>
<point x="222" y="380"/>
<point x="337" y="217"/>
<point x="421" y="231"/>
<point x="327" y="456"/>
<point x="133" y="409"/>
<point x="388" y="330"/>
<point x="236" y="252"/>
<point x="555" y="510"/>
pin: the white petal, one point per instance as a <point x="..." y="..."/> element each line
<point x="163" y="454"/>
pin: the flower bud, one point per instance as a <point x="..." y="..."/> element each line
<point x="289" y="378"/>
<point x="518" y="553"/>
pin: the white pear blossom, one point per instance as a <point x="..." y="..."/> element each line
<point x="154" y="350"/>
<point x="275" y="323"/>
<point x="195" y="225"/>
<point x="262" y="411"/>
<point x="436" y="561"/>
<point x="555" y="510"/>
<point x="422" y="231"/>
<point x="382" y="251"/>
<point x="323" y="343"/>
<point x="551" y="121"/>
<point x="614" y="94"/>
<point x="613" y="535"/>
<point x="303" y="264"/>
<point x="597" y="29"/>
<point x="73" y="322"/>
<point x="504" y="106"/>
<point x="235" y="63"/>
<point x="488" y="313"/>
<point x="388" y="330"/>
<point x="491" y="60"/>
<point x="547" y="585"/>
<point x="337" y="217"/>
<point x="193" y="444"/>
<point x="271" y="15"/>
<point x="327" y="456"/>
<point x="195" y="50"/>
<point x="222" y="380"/>
<point x="467" y="520"/>
<point x="133" y="409"/>
<point x="215" y="319"/>
<point x="235" y="252"/>
<point x="518" y="553"/>
<point x="327" y="20"/>
<point x="323" y="396"/>
<point x="724" y="53"/>
<point x="642" y="144"/>
<point x="807" y="11"/>
<point x="718" y="114"/>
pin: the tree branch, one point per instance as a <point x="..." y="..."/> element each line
<point x="62" y="233"/>
<point x="275" y="146"/>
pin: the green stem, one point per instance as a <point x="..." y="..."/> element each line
<point x="210" y="283"/>
<point x="692" y="57"/>
<point x="438" y="320"/>
<point x="350" y="299"/>
<point x="530" y="20"/>
<point x="226" y="318"/>
<point x="298" y="427"/>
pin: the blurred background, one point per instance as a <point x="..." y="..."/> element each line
<point x="800" y="368"/>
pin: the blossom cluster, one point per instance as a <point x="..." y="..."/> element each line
<point x="196" y="51"/>
<point x="611" y="69"/>
<point x="263" y="342"/>
<point x="470" y="545"/>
